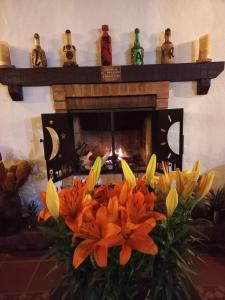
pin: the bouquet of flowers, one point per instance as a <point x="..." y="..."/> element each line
<point x="129" y="240"/>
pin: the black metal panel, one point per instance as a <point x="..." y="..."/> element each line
<point x="162" y="120"/>
<point x="58" y="145"/>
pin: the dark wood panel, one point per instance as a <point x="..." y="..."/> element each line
<point x="130" y="73"/>
<point x="202" y="72"/>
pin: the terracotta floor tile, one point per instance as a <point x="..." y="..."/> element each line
<point x="25" y="255"/>
<point x="41" y="280"/>
<point x="15" y="276"/>
<point x="211" y="272"/>
<point x="2" y="257"/>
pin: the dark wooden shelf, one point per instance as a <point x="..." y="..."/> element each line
<point x="16" y="78"/>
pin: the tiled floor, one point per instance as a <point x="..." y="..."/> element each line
<point x="23" y="276"/>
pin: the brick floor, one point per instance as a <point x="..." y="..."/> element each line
<point x="23" y="276"/>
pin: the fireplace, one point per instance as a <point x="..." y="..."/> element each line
<point x="114" y="127"/>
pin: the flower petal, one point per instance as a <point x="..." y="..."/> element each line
<point x="52" y="199"/>
<point x="143" y="244"/>
<point x="101" y="215"/>
<point x="128" y="174"/>
<point x="91" y="181"/>
<point x="97" y="167"/>
<point x="171" y="201"/>
<point x="123" y="194"/>
<point x="150" y="171"/>
<point x="125" y="254"/>
<point x="113" y="209"/>
<point x="82" y="251"/>
<point x="109" y="229"/>
<point x="144" y="228"/>
<point x="101" y="256"/>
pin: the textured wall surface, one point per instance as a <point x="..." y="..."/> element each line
<point x="204" y="123"/>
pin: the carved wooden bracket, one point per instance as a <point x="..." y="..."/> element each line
<point x="200" y="72"/>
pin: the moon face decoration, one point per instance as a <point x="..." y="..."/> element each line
<point x="173" y="137"/>
<point x="55" y="142"/>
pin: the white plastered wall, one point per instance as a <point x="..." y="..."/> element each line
<point x="204" y="121"/>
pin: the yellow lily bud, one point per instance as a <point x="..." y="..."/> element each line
<point x="171" y="201"/>
<point x="163" y="184"/>
<point x="188" y="189"/>
<point x="91" y="181"/>
<point x="179" y="181"/>
<point x="205" y="184"/>
<point x="150" y="171"/>
<point x="128" y="174"/>
<point x="196" y="170"/>
<point x="97" y="167"/>
<point x="52" y="199"/>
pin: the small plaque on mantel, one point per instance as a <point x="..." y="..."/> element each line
<point x="111" y="73"/>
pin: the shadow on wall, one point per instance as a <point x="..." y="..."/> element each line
<point x="185" y="53"/>
<point x="219" y="179"/>
<point x="36" y="155"/>
<point x="20" y="58"/>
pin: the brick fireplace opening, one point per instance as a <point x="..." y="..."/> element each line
<point x="112" y="120"/>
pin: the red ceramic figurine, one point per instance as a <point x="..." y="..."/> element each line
<point x="106" y="47"/>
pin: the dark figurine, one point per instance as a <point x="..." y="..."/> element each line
<point x="167" y="49"/>
<point x="106" y="47"/>
<point x="38" y="58"/>
<point x="137" y="52"/>
<point x="11" y="179"/>
<point x="69" y="51"/>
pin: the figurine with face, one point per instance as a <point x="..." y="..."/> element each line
<point x="137" y="52"/>
<point x="38" y="57"/>
<point x="69" y="51"/>
<point x="106" y="47"/>
<point x="167" y="49"/>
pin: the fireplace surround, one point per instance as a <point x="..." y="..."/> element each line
<point x="113" y="120"/>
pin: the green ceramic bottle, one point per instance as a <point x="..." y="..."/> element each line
<point x="137" y="52"/>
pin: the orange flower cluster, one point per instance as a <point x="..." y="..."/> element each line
<point x="109" y="216"/>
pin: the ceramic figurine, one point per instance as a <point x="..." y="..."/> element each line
<point x="106" y="47"/>
<point x="5" y="61"/>
<point x="38" y="58"/>
<point x="69" y="51"/>
<point x="137" y="52"/>
<point x="167" y="49"/>
<point x="205" y="48"/>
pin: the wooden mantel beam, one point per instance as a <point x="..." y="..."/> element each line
<point x="200" y="72"/>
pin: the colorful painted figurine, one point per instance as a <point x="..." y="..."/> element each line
<point x="167" y="49"/>
<point x="106" y="47"/>
<point x="69" y="51"/>
<point x="38" y="57"/>
<point x="137" y="52"/>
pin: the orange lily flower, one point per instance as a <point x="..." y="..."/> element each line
<point x="139" y="210"/>
<point x="74" y="204"/>
<point x="98" y="234"/>
<point x="134" y="239"/>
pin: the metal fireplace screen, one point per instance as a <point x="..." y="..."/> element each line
<point x="73" y="140"/>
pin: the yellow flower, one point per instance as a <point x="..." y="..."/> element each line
<point x="204" y="184"/>
<point x="171" y="201"/>
<point x="97" y="167"/>
<point x="52" y="199"/>
<point x="93" y="175"/>
<point x="196" y="170"/>
<point x="150" y="171"/>
<point x="188" y="189"/>
<point x="128" y="174"/>
<point x="163" y="184"/>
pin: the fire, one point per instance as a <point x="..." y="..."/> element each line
<point x="118" y="152"/>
